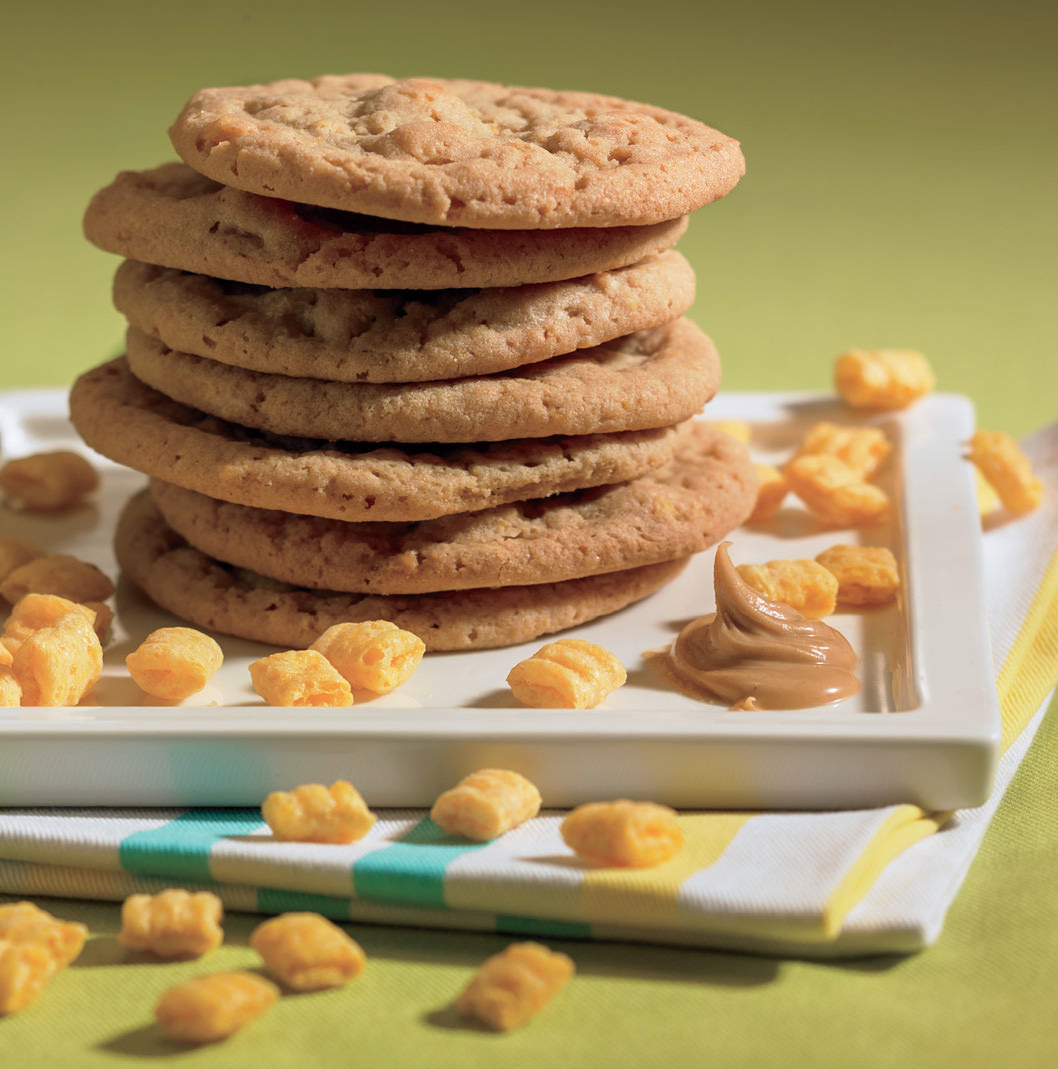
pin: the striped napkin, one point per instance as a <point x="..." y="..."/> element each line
<point x="813" y="884"/>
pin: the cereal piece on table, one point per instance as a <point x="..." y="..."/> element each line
<point x="485" y="804"/>
<point x="375" y="655"/>
<point x="174" y="662"/>
<point x="623" y="833"/>
<point x="862" y="448"/>
<point x="883" y="379"/>
<point x="14" y="553"/>
<point x="57" y="574"/>
<point x="835" y="493"/>
<point x="58" y="665"/>
<point x="771" y="490"/>
<point x="866" y="575"/>
<point x="26" y="923"/>
<point x="300" y="678"/>
<point x="511" y="987"/>
<point x="25" y="969"/>
<point x="317" y="814"/>
<point x="211" y="1008"/>
<point x="568" y="674"/>
<point x="49" y="482"/>
<point x="306" y="952"/>
<point x="1001" y="461"/>
<point x="173" y="923"/>
<point x="804" y="585"/>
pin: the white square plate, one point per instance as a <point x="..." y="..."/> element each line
<point x="924" y="729"/>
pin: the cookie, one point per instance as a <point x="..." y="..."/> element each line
<point x="397" y="335"/>
<point x="175" y="217"/>
<point x="690" y="504"/>
<point x="456" y="152"/>
<point x="234" y="602"/>
<point x="134" y="425"/>
<point x="650" y="379"/>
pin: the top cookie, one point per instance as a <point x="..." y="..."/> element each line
<point x="457" y="152"/>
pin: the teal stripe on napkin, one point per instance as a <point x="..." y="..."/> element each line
<point x="180" y="849"/>
<point x="275" y="900"/>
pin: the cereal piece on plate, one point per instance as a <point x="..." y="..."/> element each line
<point x="882" y="379"/>
<point x="623" y="833"/>
<point x="511" y="987"/>
<point x="568" y="674"/>
<point x="866" y="575"/>
<point x="57" y="574"/>
<point x="804" y="585"/>
<point x="862" y="448"/>
<point x="26" y="923"/>
<point x="210" y="1008"/>
<point x="32" y="612"/>
<point x="317" y="814"/>
<point x="173" y="923"/>
<point x="25" y="969"/>
<point x="1001" y="461"/>
<point x="10" y="689"/>
<point x="300" y="678"/>
<point x="485" y="804"/>
<point x="834" y="492"/>
<point x="307" y="952"/>
<point x="14" y="553"/>
<point x="174" y="662"/>
<point x="58" y="665"/>
<point x="49" y="482"/>
<point x="771" y="490"/>
<point x="375" y="655"/>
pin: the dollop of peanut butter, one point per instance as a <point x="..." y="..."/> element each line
<point x="762" y="651"/>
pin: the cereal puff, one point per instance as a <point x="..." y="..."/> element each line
<point x="300" y="678"/>
<point x="26" y="923"/>
<point x="173" y="663"/>
<point x="57" y="574"/>
<point x="771" y="492"/>
<point x="623" y="833"/>
<point x="214" y="1007"/>
<point x="58" y="665"/>
<point x="317" y="814"/>
<point x="866" y="575"/>
<point x="49" y="482"/>
<point x="172" y="924"/>
<point x="306" y="952"/>
<point x="375" y="655"/>
<point x="835" y="493"/>
<point x="568" y="674"/>
<point x="486" y="804"/>
<point x="804" y="585"/>
<point x="862" y="448"/>
<point x="511" y="987"/>
<point x="1001" y="461"/>
<point x="10" y="688"/>
<point x="25" y="969"/>
<point x="882" y="379"/>
<point x="32" y="612"/>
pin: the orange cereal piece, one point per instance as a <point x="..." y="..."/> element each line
<point x="771" y="491"/>
<point x="317" y="814"/>
<point x="375" y="655"/>
<point x="10" y="688"/>
<point x="211" y="1008"/>
<point x="57" y="574"/>
<point x="623" y="833"/>
<point x="306" y="952"/>
<point x="26" y="923"/>
<point x="174" y="662"/>
<point x="835" y="493"/>
<point x="32" y="612"/>
<point x="1001" y="461"/>
<point x="172" y="924"/>
<point x="804" y="585"/>
<point x="866" y="575"/>
<point x="987" y="498"/>
<point x="485" y="804"/>
<point x="49" y="482"/>
<point x="25" y="969"/>
<point x="882" y="379"/>
<point x="300" y="678"/>
<point x="14" y="553"/>
<point x="568" y="674"/>
<point x="862" y="448"/>
<point x="511" y="987"/>
<point x="58" y="665"/>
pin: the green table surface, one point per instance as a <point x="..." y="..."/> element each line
<point x="900" y="192"/>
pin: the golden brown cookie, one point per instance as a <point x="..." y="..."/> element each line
<point x="651" y="379"/>
<point x="690" y="504"/>
<point x="134" y="425"/>
<point x="175" y="217"/>
<point x="234" y="602"/>
<point x="398" y="335"/>
<point x="457" y="152"/>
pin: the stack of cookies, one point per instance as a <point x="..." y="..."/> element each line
<point x="413" y="350"/>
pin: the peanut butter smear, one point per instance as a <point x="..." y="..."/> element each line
<point x="752" y="648"/>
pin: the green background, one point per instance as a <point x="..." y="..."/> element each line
<point x="900" y="192"/>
